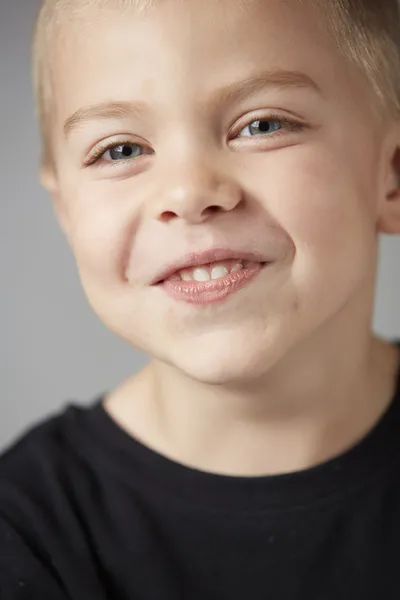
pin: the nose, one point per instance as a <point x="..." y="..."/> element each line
<point x="196" y="191"/>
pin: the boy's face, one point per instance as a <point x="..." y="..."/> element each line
<point x="201" y="173"/>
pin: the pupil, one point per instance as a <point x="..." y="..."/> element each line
<point x="263" y="126"/>
<point x="127" y="151"/>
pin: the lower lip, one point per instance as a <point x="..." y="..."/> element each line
<point x="208" y="292"/>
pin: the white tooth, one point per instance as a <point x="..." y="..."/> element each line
<point x="201" y="275"/>
<point x="237" y="268"/>
<point x="218" y="272"/>
<point x="186" y="276"/>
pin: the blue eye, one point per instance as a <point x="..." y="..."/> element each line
<point x="124" y="151"/>
<point x="261" y="127"/>
<point x="114" y="152"/>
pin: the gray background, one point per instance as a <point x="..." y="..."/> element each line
<point x="53" y="349"/>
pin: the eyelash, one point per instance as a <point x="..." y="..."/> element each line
<point x="94" y="158"/>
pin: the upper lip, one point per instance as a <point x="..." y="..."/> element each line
<point x="195" y="259"/>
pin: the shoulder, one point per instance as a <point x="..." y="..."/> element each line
<point x="46" y="470"/>
<point x="38" y="466"/>
<point x="33" y="452"/>
<point x="47" y="478"/>
<point x="31" y="485"/>
<point x="25" y="570"/>
<point x="32" y="471"/>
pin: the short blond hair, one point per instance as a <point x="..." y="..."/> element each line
<point x="366" y="31"/>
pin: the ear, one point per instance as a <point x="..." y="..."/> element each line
<point x="389" y="210"/>
<point x="48" y="179"/>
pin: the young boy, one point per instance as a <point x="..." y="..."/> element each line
<point x="222" y="170"/>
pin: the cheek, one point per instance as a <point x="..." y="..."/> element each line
<point x="102" y="223"/>
<point x="320" y="199"/>
<point x="324" y="204"/>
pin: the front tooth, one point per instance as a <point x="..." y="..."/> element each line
<point x="237" y="268"/>
<point x="218" y="272"/>
<point x="186" y="276"/>
<point x="201" y="275"/>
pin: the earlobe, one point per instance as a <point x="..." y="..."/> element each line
<point x="389" y="214"/>
<point x="49" y="181"/>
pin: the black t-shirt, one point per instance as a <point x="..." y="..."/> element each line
<point x="89" y="513"/>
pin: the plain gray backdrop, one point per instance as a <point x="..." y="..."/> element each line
<point x="54" y="350"/>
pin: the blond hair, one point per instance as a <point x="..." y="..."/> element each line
<point x="366" y="31"/>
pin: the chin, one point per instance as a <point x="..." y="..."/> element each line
<point x="226" y="362"/>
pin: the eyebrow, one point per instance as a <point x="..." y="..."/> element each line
<point x="103" y="111"/>
<point x="266" y="79"/>
<point x="232" y="92"/>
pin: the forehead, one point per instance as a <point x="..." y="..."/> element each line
<point x="222" y="23"/>
<point x="186" y="48"/>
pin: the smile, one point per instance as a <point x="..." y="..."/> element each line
<point x="210" y="284"/>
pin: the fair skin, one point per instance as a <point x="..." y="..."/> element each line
<point x="285" y="373"/>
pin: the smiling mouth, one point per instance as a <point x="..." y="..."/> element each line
<point x="211" y="283"/>
<point x="211" y="271"/>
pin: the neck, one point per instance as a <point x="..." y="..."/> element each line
<point x="282" y="425"/>
<point x="312" y="405"/>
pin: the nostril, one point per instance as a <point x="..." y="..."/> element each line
<point x="167" y="215"/>
<point x="211" y="210"/>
